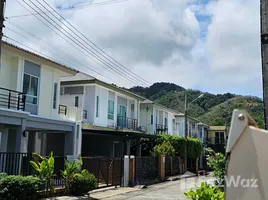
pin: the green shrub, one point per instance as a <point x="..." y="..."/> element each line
<point x="165" y="148"/>
<point x="82" y="183"/>
<point x="20" y="187"/>
<point x="2" y="176"/>
<point x="194" y="148"/>
<point x="217" y="163"/>
<point x="205" y="192"/>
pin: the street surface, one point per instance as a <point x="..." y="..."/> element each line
<point x="172" y="190"/>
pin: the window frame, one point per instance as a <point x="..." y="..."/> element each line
<point x="55" y="95"/>
<point x="97" y="106"/>
<point x="29" y="95"/>
<point x="110" y="115"/>
<point x="76" y="101"/>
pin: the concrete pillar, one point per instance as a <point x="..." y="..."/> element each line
<point x="21" y="138"/>
<point x="79" y="140"/>
<point x="37" y="142"/>
<point x="44" y="144"/>
<point x="4" y="138"/>
<point x="71" y="141"/>
<point x="161" y="166"/>
<point x="126" y="170"/>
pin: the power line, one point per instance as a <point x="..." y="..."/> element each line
<point x="56" y="28"/>
<point x="51" y="50"/>
<point x="75" y="7"/>
<point x="80" y="44"/>
<point x="98" y="49"/>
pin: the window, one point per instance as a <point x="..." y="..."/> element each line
<point x="97" y="106"/>
<point x="30" y="87"/>
<point x="174" y="124"/>
<point x="165" y="122"/>
<point x="152" y="119"/>
<point x="76" y="101"/>
<point x="110" y="109"/>
<point x="55" y="95"/>
<point x="219" y="137"/>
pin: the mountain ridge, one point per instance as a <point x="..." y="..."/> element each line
<point x="212" y="109"/>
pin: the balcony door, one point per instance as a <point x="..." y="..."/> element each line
<point x="219" y="137"/>
<point x="121" y="115"/>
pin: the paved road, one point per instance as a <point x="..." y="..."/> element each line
<point x="165" y="191"/>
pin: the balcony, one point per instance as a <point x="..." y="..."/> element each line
<point x="62" y="110"/>
<point x="214" y="140"/>
<point x="127" y="123"/>
<point x="12" y="99"/>
<point x="161" y="129"/>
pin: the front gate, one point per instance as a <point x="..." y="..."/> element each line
<point x="172" y="166"/>
<point x="146" y="169"/>
<point x="108" y="171"/>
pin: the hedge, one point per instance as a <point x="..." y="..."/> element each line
<point x="20" y="187"/>
<point x="194" y="148"/>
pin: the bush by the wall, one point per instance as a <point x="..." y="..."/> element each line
<point x="82" y="183"/>
<point x="20" y="187"/>
<point x="165" y="148"/>
<point x="194" y="149"/>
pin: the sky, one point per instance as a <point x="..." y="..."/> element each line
<point x="209" y="45"/>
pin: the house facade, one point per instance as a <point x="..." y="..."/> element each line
<point x="158" y="119"/>
<point x="29" y="104"/>
<point x="109" y="114"/>
<point x="217" y="138"/>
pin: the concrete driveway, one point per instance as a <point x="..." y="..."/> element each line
<point x="172" y="190"/>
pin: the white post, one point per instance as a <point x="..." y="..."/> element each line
<point x="126" y="170"/>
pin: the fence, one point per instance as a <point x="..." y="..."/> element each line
<point x="108" y="171"/>
<point x="172" y="166"/>
<point x="15" y="163"/>
<point x="146" y="168"/>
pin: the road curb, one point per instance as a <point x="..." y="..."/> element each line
<point x="179" y="178"/>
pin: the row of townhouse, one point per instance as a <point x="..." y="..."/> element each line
<point x="46" y="106"/>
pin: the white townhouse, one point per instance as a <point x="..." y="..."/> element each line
<point x="109" y="114"/>
<point x="29" y="105"/>
<point x="158" y="119"/>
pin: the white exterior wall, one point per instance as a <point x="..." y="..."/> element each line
<point x="9" y="72"/>
<point x="88" y="102"/>
<point x="11" y="77"/>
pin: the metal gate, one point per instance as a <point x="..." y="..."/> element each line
<point x="108" y="171"/>
<point x="146" y="169"/>
<point x="172" y="166"/>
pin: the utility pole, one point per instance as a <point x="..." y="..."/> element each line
<point x="264" y="55"/>
<point x="185" y="130"/>
<point x="2" y="6"/>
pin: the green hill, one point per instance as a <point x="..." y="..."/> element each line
<point x="211" y="109"/>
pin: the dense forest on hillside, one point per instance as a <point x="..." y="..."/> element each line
<point x="212" y="109"/>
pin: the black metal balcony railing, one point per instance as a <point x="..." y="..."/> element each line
<point x="161" y="129"/>
<point x="215" y="140"/>
<point x="62" y="110"/>
<point x="84" y="114"/>
<point x="126" y="122"/>
<point x="12" y="99"/>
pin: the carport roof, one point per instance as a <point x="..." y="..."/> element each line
<point x="117" y="132"/>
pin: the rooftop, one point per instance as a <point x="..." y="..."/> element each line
<point x="11" y="47"/>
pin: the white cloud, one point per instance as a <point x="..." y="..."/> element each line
<point x="233" y="43"/>
<point x="159" y="40"/>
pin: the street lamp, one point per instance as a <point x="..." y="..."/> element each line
<point x="186" y="124"/>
